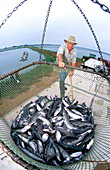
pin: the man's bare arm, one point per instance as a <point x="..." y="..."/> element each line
<point x="60" y="59"/>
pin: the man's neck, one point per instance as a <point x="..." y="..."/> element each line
<point x="69" y="51"/>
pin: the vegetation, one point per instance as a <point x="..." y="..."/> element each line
<point x="11" y="88"/>
<point x="48" y="57"/>
<point x="79" y="59"/>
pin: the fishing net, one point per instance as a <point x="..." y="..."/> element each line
<point x="88" y="87"/>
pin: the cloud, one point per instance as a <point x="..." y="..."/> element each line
<point x="27" y="23"/>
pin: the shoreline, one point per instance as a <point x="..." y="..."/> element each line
<point x="78" y="60"/>
<point x="8" y="104"/>
<point x="39" y="45"/>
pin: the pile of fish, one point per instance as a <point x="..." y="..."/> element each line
<point x="55" y="131"/>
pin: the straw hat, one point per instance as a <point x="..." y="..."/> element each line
<point x="71" y="39"/>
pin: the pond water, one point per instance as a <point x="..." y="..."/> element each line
<point x="10" y="60"/>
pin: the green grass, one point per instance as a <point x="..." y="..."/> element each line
<point x="79" y="59"/>
<point x="48" y="57"/>
<point x="10" y="88"/>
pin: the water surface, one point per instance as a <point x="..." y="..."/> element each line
<point x="10" y="60"/>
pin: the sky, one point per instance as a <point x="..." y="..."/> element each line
<point x="26" y="25"/>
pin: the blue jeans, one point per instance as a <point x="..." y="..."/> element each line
<point x="62" y="83"/>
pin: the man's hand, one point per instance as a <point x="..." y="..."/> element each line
<point x="60" y="59"/>
<point x="71" y="74"/>
<point x="61" y="64"/>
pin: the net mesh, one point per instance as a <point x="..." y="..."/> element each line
<point x="19" y="88"/>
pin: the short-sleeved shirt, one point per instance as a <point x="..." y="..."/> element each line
<point x="67" y="58"/>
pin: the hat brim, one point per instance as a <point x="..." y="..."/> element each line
<point x="70" y="41"/>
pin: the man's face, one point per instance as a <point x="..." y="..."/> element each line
<point x="70" y="45"/>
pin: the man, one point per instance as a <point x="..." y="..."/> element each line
<point x="66" y="55"/>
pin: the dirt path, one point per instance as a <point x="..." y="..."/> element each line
<point x="9" y="104"/>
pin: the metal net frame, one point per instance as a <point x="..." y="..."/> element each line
<point x="19" y="82"/>
<point x="89" y="87"/>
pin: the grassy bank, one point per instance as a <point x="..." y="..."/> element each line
<point x="11" y="88"/>
<point x="49" y="55"/>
